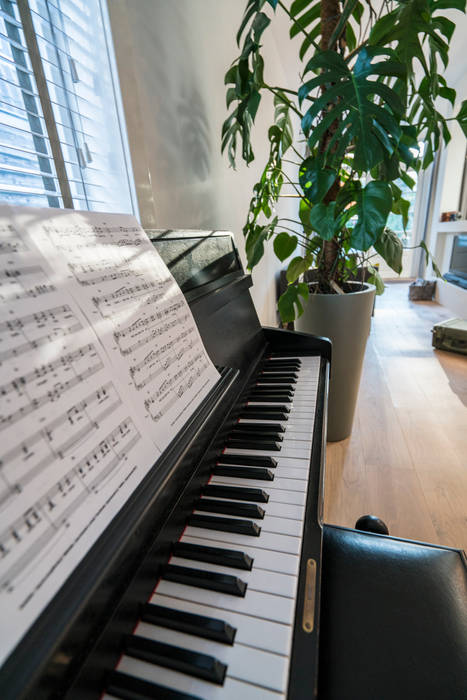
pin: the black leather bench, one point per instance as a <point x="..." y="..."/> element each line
<point x="393" y="619"/>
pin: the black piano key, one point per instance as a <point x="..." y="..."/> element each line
<point x="239" y="493"/>
<point x="283" y="368"/>
<point x="190" y="662"/>
<point x="282" y="361"/>
<point x="275" y="379"/>
<point x="265" y="374"/>
<point x="232" y="558"/>
<point x="212" y="522"/>
<point x="189" y="623"/>
<point x="238" y="433"/>
<point x="248" y="460"/>
<point x="270" y="398"/>
<point x="126" y="687"/>
<point x="248" y="444"/>
<point x="271" y="391"/>
<point x="241" y="510"/>
<point x="259" y="427"/>
<point x="243" y="472"/>
<point x="263" y="413"/>
<point x="265" y="409"/>
<point x="210" y="580"/>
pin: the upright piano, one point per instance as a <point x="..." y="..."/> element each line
<point x="218" y="579"/>
<point x="206" y="584"/>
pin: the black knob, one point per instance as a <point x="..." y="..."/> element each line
<point x="370" y="523"/>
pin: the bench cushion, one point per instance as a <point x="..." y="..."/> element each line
<point x="393" y="619"/>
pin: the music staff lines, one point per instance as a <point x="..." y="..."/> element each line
<point x="155" y="356"/>
<point x="168" y="386"/>
<point x="19" y="385"/>
<point x="61" y="318"/>
<point x="81" y="420"/>
<point x="33" y="292"/>
<point x="155" y="332"/>
<point x="21" y="272"/>
<point x="54" y="508"/>
<point x="142" y="323"/>
<point x="11" y="245"/>
<point x="93" y="232"/>
<point x="129" y="293"/>
<point x="120" y="274"/>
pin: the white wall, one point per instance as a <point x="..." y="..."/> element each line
<point x="172" y="57"/>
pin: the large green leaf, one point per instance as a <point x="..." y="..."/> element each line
<point x="376" y="279"/>
<point x="290" y="300"/>
<point x="322" y="220"/>
<point x="355" y="106"/>
<point x="284" y="245"/>
<point x="283" y="123"/>
<point x="297" y="267"/>
<point x="255" y="240"/>
<point x="373" y="206"/>
<point x="389" y="246"/>
<point x="315" y="180"/>
<point x="462" y="117"/>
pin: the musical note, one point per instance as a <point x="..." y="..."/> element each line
<point x="36" y="330"/>
<point x="23" y="540"/>
<point x="29" y="457"/>
<point x="23" y="387"/>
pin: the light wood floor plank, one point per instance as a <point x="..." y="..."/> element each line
<point x="406" y="460"/>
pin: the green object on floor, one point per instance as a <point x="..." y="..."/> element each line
<point x="450" y="335"/>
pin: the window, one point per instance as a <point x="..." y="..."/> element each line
<point x="61" y="137"/>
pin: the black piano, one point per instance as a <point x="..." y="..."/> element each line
<point x="217" y="579"/>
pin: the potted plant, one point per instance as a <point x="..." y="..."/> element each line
<point x="368" y="97"/>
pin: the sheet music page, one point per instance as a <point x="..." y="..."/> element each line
<point x="79" y="430"/>
<point x="138" y="311"/>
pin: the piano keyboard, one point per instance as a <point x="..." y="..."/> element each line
<point x="219" y="623"/>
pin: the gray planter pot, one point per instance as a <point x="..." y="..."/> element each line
<point x="345" y="319"/>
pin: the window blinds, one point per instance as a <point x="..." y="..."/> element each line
<point x="76" y="61"/>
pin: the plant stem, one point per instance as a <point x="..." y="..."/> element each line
<point x="291" y="183"/>
<point x="289" y="102"/>
<point x="282" y="89"/>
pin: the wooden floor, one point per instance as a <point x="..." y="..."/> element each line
<point x="406" y="460"/>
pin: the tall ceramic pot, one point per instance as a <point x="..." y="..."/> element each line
<point x="345" y="319"/>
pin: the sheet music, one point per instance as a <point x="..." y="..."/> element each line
<point x="91" y="392"/>
<point x="139" y="313"/>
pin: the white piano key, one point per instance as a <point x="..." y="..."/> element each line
<point x="257" y="579"/>
<point x="282" y="484"/>
<point x="275" y="495"/>
<point x="298" y="452"/>
<point x="282" y="460"/>
<point x="263" y="558"/>
<point x="281" y="510"/>
<point x="270" y="523"/>
<point x="262" y="634"/>
<point x="231" y="690"/>
<point x="297" y="423"/>
<point x="284" y="510"/>
<point x="264" y="605"/>
<point x="267" y="540"/>
<point x="287" y="497"/>
<point x="243" y="663"/>
<point x="300" y="473"/>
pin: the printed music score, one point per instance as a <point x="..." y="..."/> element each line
<point x="71" y="451"/>
<point x="143" y="321"/>
<point x="101" y="365"/>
